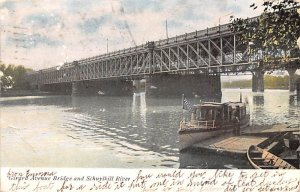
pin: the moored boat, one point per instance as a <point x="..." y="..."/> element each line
<point x="262" y="159"/>
<point x="210" y="119"/>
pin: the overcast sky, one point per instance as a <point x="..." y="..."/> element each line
<point x="46" y="33"/>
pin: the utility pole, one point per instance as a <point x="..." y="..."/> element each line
<point x="167" y="29"/>
<point x="107" y="45"/>
<point x="0" y="43"/>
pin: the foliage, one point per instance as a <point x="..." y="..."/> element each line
<point x="13" y="76"/>
<point x="275" y="31"/>
<point x="237" y="84"/>
<point x="270" y="82"/>
<point x="6" y="81"/>
<point x="276" y="82"/>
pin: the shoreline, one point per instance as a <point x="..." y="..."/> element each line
<point x="21" y="93"/>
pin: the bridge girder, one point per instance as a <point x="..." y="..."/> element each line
<point x="214" y="50"/>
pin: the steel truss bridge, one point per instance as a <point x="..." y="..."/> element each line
<point x="213" y="50"/>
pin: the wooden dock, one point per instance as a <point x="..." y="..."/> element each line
<point x="230" y="144"/>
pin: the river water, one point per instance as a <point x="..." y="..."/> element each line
<point x="121" y="132"/>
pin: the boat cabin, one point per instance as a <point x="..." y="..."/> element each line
<point x="213" y="114"/>
<point x="210" y="119"/>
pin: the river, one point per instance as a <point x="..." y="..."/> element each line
<point x="120" y="132"/>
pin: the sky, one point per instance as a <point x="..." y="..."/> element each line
<point x="45" y="33"/>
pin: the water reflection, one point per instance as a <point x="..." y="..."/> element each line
<point x="139" y="107"/>
<point x="258" y="100"/>
<point x="293" y="100"/>
<point x="141" y="127"/>
<point x="125" y="120"/>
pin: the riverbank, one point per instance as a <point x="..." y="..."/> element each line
<point x="270" y="82"/>
<point x="18" y="93"/>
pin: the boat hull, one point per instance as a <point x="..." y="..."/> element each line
<point x="189" y="137"/>
<point x="262" y="159"/>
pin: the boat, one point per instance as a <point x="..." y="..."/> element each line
<point x="210" y="119"/>
<point x="291" y="149"/>
<point x="262" y="159"/>
<point x="292" y="140"/>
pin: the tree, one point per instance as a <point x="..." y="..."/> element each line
<point x="9" y="70"/>
<point x="6" y="81"/>
<point x="274" y="32"/>
<point x="19" y="76"/>
<point x="13" y="76"/>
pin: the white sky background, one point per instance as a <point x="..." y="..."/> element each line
<point x="44" y="33"/>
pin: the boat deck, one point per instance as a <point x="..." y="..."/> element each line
<point x="230" y="144"/>
<point x="238" y="145"/>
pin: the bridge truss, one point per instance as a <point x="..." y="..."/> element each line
<point x="213" y="50"/>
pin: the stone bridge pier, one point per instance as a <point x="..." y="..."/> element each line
<point x="191" y="85"/>
<point x="115" y="87"/>
<point x="258" y="80"/>
<point x="138" y="86"/>
<point x="292" y="79"/>
<point x="298" y="88"/>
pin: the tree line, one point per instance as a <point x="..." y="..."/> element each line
<point x="270" y="82"/>
<point x="13" y="76"/>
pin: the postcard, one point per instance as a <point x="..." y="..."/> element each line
<point x="150" y="95"/>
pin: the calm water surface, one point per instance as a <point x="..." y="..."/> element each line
<point x="123" y="131"/>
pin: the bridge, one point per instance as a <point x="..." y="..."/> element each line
<point x="188" y="63"/>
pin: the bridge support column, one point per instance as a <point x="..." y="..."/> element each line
<point x="292" y="82"/>
<point x="42" y="87"/>
<point x="298" y="88"/>
<point x="39" y="87"/>
<point x="75" y="88"/>
<point x="177" y="84"/>
<point x="33" y="86"/>
<point x="138" y="86"/>
<point x="258" y="81"/>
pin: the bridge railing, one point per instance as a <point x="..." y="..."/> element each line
<point x="113" y="54"/>
<point x="202" y="33"/>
